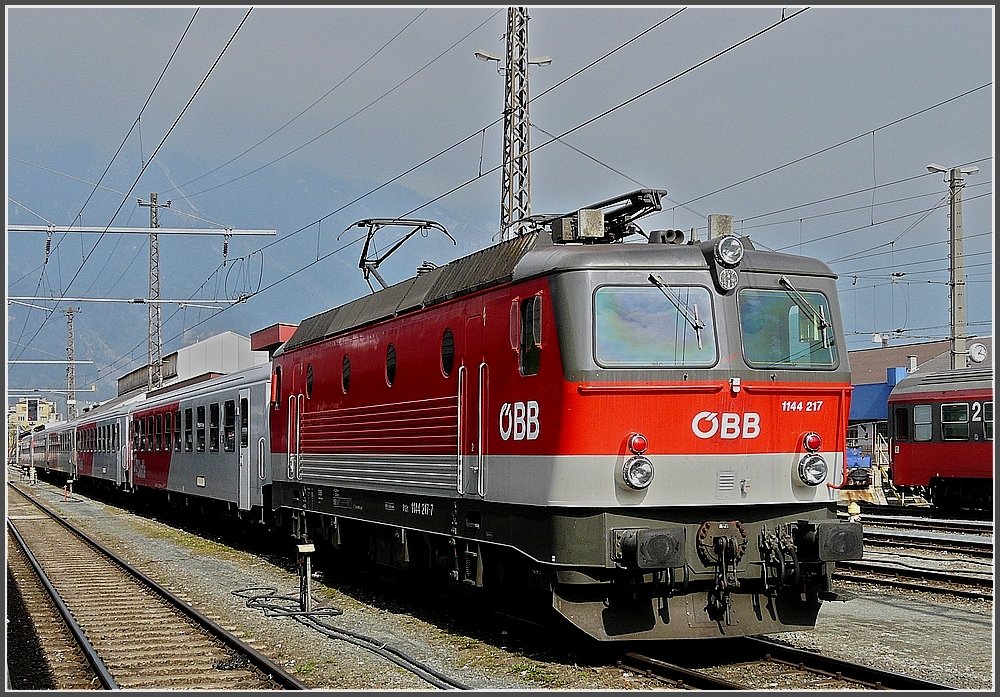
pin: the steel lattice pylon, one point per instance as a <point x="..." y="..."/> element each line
<point x="154" y="346"/>
<point x="71" y="368"/>
<point x="515" y="189"/>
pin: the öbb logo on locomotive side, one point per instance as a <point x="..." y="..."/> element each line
<point x="519" y="420"/>
<point x="727" y="425"/>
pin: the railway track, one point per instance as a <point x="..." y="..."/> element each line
<point x="694" y="679"/>
<point x="975" y="527"/>
<point x="868" y="508"/>
<point x="955" y="583"/>
<point x="122" y="629"/>
<point x="765" y="664"/>
<point x="969" y="546"/>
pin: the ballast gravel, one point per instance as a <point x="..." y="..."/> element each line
<point x="947" y="641"/>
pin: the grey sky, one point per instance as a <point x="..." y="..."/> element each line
<point x="856" y="78"/>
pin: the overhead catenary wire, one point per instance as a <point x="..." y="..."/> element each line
<point x="152" y="156"/>
<point x="320" y="221"/>
<point x="108" y="168"/>
<point x="663" y="83"/>
<point x="837" y="145"/>
<point x="343" y="121"/>
<point x="308" y="108"/>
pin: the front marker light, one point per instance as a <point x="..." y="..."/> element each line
<point x="812" y="470"/>
<point x="637" y="472"/>
<point x="728" y="279"/>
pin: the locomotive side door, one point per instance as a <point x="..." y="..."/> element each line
<point x="474" y="383"/>
<point x="296" y="401"/>
<point x="243" y="422"/>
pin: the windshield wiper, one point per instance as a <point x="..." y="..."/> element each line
<point x="690" y="315"/>
<point x="815" y="315"/>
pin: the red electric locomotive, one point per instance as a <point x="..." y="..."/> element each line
<point x="650" y="435"/>
<point x="942" y="437"/>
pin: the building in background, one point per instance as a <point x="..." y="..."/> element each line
<point x="23" y="416"/>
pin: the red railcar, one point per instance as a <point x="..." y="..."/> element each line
<point x="650" y="434"/>
<point x="941" y="428"/>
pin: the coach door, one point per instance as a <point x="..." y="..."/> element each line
<point x="124" y="475"/>
<point x="243" y="428"/>
<point x="74" y="470"/>
<point x="473" y="379"/>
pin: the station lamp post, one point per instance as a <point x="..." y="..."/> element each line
<point x="956" y="182"/>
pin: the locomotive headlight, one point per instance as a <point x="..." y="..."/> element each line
<point x="729" y="250"/>
<point x="637" y="472"/>
<point x="812" y="469"/>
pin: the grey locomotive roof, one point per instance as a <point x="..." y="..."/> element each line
<point x="523" y="257"/>
<point x="944" y="380"/>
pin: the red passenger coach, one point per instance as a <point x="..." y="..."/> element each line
<point x="650" y="436"/>
<point x="942" y="437"/>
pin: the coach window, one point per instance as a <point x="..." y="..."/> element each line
<point x="447" y="352"/>
<point x="276" y="387"/>
<point x="530" y="343"/>
<point x="988" y="420"/>
<point x="200" y="429"/>
<point x="177" y="430"/>
<point x="955" y="421"/>
<point x="244" y="423"/>
<point x="390" y="365"/>
<point x="901" y="424"/>
<point x="114" y="438"/>
<point x="213" y="427"/>
<point x="922" y="422"/>
<point x="159" y="432"/>
<point x="188" y="431"/>
<point x="168" y="431"/>
<point x="229" y="424"/>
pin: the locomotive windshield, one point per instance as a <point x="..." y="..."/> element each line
<point x="781" y="329"/>
<point x="636" y="326"/>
